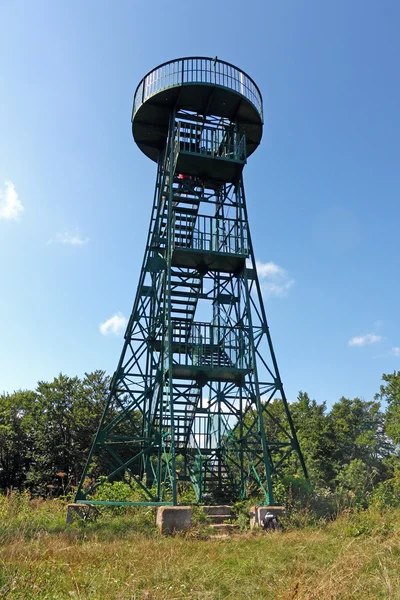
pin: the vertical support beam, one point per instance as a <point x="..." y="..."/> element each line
<point x="170" y="241"/>
<point x="261" y="430"/>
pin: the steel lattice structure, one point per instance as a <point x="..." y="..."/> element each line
<point x="190" y="399"/>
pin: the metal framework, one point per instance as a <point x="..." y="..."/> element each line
<point x="190" y="400"/>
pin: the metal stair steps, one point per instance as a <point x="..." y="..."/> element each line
<point x="213" y="355"/>
<point x="184" y="283"/>
<point x="182" y="210"/>
<point x="186" y="225"/>
<point x="179" y="311"/>
<point x="181" y="294"/>
<point x="186" y="199"/>
<point x="186" y="302"/>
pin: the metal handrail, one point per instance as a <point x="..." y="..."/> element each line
<point x="210" y="234"/>
<point x="197" y="69"/>
<point x="215" y="142"/>
<point x="204" y="337"/>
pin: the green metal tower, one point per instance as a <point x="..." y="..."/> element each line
<point x="190" y="400"/>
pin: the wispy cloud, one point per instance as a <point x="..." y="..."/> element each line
<point x="71" y="238"/>
<point x="274" y="280"/>
<point x="269" y="269"/>
<point x="10" y="205"/>
<point x="365" y="340"/>
<point x="396" y="351"/>
<point x="115" y="325"/>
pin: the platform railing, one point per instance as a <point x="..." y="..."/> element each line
<point x="236" y="338"/>
<point x="219" y="346"/>
<point x="197" y="70"/>
<point x="211" y="234"/>
<point x="214" y="142"/>
<point x="211" y="346"/>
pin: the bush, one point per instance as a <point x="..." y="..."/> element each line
<point x="387" y="493"/>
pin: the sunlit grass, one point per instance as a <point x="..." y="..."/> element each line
<point x="123" y="557"/>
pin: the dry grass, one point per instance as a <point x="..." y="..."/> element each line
<point x="357" y="557"/>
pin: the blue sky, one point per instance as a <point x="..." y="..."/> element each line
<point x="322" y="190"/>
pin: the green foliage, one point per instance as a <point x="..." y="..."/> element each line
<point x="356" y="479"/>
<point x="350" y="450"/>
<point x="16" y="437"/>
<point x="390" y="393"/>
<point x="119" y="491"/>
<point x="387" y="493"/>
<point x="358" y="428"/>
<point x="371" y="522"/>
<point x="45" y="435"/>
<point x="187" y="495"/>
<point x="241" y="512"/>
<point x="66" y="414"/>
<point x="316" y="439"/>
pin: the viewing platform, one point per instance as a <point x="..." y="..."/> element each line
<point x="222" y="152"/>
<point x="210" y="352"/>
<point x="198" y="85"/>
<point x="209" y="243"/>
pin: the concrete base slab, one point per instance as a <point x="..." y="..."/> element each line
<point x="258" y="514"/>
<point x="173" y="518"/>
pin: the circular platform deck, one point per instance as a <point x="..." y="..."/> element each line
<point x="201" y="85"/>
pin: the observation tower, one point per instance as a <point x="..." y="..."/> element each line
<point x="194" y="399"/>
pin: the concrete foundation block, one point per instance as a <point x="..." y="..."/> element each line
<point x="173" y="518"/>
<point x="258" y="513"/>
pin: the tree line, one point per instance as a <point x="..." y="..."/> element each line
<point x="354" y="446"/>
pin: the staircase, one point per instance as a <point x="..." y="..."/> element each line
<point x="186" y="286"/>
<point x="217" y="479"/>
<point x="195" y="346"/>
<point x="213" y="356"/>
<point x="186" y="399"/>
<point x="219" y="518"/>
<point x="185" y="207"/>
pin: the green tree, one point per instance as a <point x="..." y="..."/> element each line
<point x="66" y="414"/>
<point x="390" y="393"/>
<point x="315" y="435"/>
<point x="358" y="430"/>
<point x="16" y="437"/>
<point x="357" y="480"/>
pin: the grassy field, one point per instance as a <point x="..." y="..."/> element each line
<point x="122" y="557"/>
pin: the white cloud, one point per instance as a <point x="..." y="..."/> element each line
<point x="114" y="325"/>
<point x="10" y="205"/>
<point x="365" y="340"/>
<point x="268" y="269"/>
<point x="276" y="289"/>
<point x="70" y="238"/>
<point x="396" y="351"/>
<point x="274" y="280"/>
